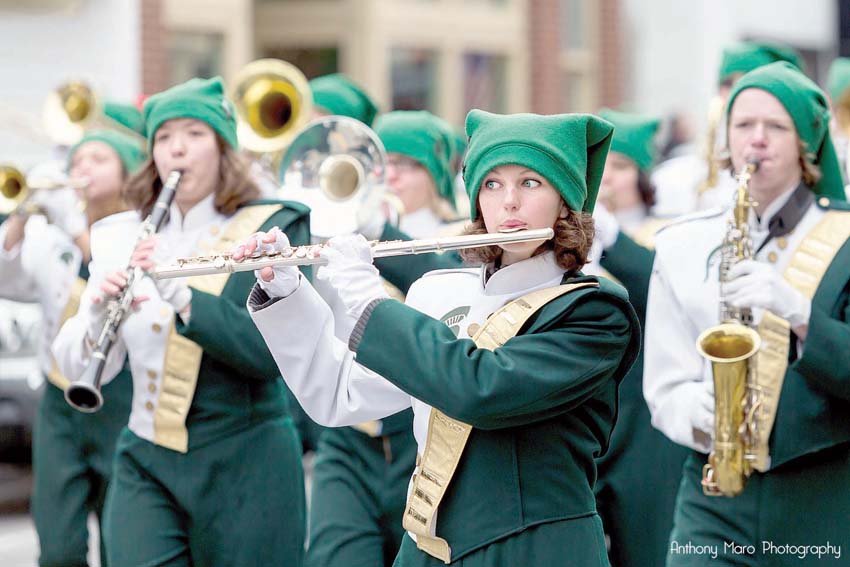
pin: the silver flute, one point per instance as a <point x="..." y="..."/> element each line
<point x="309" y="255"/>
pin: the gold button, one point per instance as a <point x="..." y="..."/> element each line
<point x="472" y="329"/>
<point x="156" y="327"/>
<point x="152" y="374"/>
<point x="214" y="229"/>
<point x="782" y="243"/>
<point x="149" y="406"/>
<point x="823" y="202"/>
<point x="772" y="257"/>
<point x="151" y="388"/>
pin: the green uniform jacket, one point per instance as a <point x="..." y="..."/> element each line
<point x="543" y="406"/>
<point x="239" y="383"/>
<point x="815" y="401"/>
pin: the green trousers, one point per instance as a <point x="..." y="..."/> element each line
<point x="566" y="543"/>
<point x="236" y="501"/>
<point x="358" y="498"/>
<point x="796" y="515"/>
<point x="636" y="487"/>
<point x="72" y="462"/>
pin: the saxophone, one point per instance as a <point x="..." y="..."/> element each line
<point x="730" y="347"/>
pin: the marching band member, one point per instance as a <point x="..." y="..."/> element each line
<point x="208" y="471"/>
<point x="336" y="94"/>
<point x="694" y="182"/>
<point x="796" y="286"/>
<point x="45" y="258"/>
<point x="361" y="473"/>
<point x="636" y="509"/>
<point x="537" y="384"/>
<point x="838" y="88"/>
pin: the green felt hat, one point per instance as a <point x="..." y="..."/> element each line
<point x="126" y="115"/>
<point x="569" y="150"/>
<point x="634" y="136"/>
<point x="201" y="99"/>
<point x="128" y="149"/>
<point x="838" y="79"/>
<point x="745" y="56"/>
<point x="807" y="105"/>
<point x="339" y="95"/>
<point x="424" y="137"/>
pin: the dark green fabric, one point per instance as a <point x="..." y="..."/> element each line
<point x="569" y="150"/>
<point x="420" y="135"/>
<point x="634" y="136"/>
<point x="543" y="406"/>
<point x="201" y="99"/>
<point x="239" y="382"/>
<point x="809" y="110"/>
<point x="337" y="94"/>
<point x="799" y="504"/>
<point x="126" y="115"/>
<point x="746" y="56"/>
<point x="129" y="150"/>
<point x="572" y="543"/>
<point x="639" y="476"/>
<point x="838" y="78"/>
<point x="358" y="496"/>
<point x="72" y="464"/>
<point x="815" y="398"/>
<point x="402" y="271"/>
<point x="239" y="500"/>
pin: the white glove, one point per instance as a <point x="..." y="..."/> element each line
<point x="606" y="225"/>
<point x="375" y="212"/>
<point x="702" y="414"/>
<point x="62" y="208"/>
<point x="286" y="279"/>
<point x="754" y="284"/>
<point x="351" y="273"/>
<point x="171" y="290"/>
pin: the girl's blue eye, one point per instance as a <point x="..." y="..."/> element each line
<point x="491" y="184"/>
<point x="531" y="183"/>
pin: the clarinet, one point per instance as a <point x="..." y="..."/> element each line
<point x="84" y="394"/>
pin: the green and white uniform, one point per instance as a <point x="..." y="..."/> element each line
<point x="208" y="471"/>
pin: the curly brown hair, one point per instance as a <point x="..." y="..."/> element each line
<point x="236" y="188"/>
<point x="573" y="238"/>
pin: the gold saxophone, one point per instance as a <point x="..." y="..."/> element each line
<point x="731" y="347"/>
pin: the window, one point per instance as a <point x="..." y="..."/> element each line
<point x="193" y="54"/>
<point x="484" y="82"/>
<point x="313" y="62"/>
<point x="413" y="74"/>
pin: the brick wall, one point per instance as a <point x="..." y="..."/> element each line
<point x="611" y="71"/>
<point x="544" y="36"/>
<point x="154" y="54"/>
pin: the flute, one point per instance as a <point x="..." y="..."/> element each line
<point x="309" y="255"/>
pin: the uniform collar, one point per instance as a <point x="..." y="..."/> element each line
<point x="527" y="274"/>
<point x="203" y="213"/>
<point x="763" y="223"/>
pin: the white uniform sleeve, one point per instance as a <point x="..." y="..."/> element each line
<point x="71" y="349"/>
<point x="16" y="283"/>
<point x="680" y="400"/>
<point x="330" y="385"/>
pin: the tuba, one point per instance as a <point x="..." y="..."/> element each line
<point x="16" y="190"/>
<point x="730" y="347"/>
<point x="73" y="109"/>
<point x="335" y="166"/>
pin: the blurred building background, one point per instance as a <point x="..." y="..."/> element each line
<point x="446" y="56"/>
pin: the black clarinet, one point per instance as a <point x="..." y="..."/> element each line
<point x="84" y="394"/>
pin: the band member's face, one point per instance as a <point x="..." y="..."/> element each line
<point x="760" y="127"/>
<point x="513" y="198"/>
<point x="619" y="187"/>
<point x="190" y="145"/>
<point x="410" y="181"/>
<point x="100" y="164"/>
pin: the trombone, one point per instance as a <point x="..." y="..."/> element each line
<point x="16" y="190"/>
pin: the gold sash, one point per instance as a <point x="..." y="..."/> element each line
<point x="447" y="437"/>
<point x="71" y="307"/>
<point x="804" y="272"/>
<point x="183" y="356"/>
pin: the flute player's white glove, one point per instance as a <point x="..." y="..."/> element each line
<point x="277" y="281"/>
